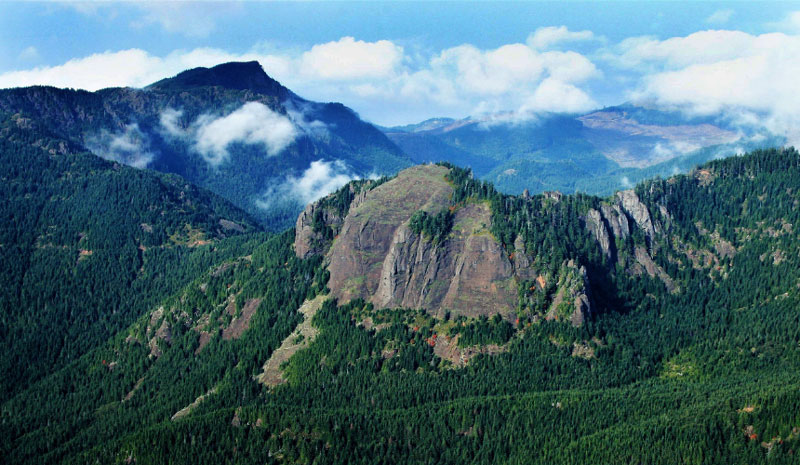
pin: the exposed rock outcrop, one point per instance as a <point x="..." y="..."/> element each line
<point x="307" y="241"/>
<point x="469" y="273"/>
<point x="377" y="256"/>
<point x="356" y="257"/>
<point x="638" y="212"/>
<point x="653" y="270"/>
<point x="597" y="226"/>
<point x="616" y="222"/>
<point x="572" y="300"/>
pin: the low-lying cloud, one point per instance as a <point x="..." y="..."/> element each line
<point x="130" y="146"/>
<point x="253" y="123"/>
<point x="318" y="180"/>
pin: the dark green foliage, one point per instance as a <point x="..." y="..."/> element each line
<point x="88" y="246"/>
<point x="482" y="331"/>
<point x="435" y="228"/>
<point x="707" y="375"/>
<point x="85" y="399"/>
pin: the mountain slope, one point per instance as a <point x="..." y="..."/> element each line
<point x="87" y="245"/>
<point x="231" y="129"/>
<point x="684" y="350"/>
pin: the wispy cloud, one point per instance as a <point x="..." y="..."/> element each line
<point x="170" y="122"/>
<point x="720" y="16"/>
<point x="194" y="19"/>
<point x="30" y="53"/>
<point x="130" y="146"/>
<point x="545" y="37"/>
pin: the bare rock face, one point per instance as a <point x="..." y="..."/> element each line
<point x="653" y="269"/>
<point x="617" y="220"/>
<point x="373" y="225"/>
<point x="377" y="256"/>
<point x="468" y="274"/>
<point x="639" y="213"/>
<point x="308" y="242"/>
<point x="626" y="213"/>
<point x="304" y="232"/>
<point x="572" y="299"/>
<point x="583" y="300"/>
<point x="523" y="263"/>
<point x="597" y="226"/>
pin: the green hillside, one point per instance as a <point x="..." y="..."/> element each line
<point x="691" y="353"/>
<point x="88" y="246"/>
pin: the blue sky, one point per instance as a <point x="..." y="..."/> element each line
<point x="403" y="62"/>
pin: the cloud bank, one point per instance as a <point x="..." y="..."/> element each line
<point x="750" y="77"/>
<point x="371" y="76"/>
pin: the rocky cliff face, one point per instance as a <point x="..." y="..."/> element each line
<point x="377" y="256"/>
<point x="616" y="221"/>
<point x="469" y="273"/>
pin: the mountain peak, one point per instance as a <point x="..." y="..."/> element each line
<point x="247" y="75"/>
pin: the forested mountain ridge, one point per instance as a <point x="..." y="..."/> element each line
<point x="87" y="245"/>
<point x="702" y="370"/>
<point x="231" y="129"/>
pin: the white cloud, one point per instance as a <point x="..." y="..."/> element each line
<point x="697" y="48"/>
<point x="318" y="180"/>
<point x="128" y="68"/>
<point x="720" y="16"/>
<point x="515" y="78"/>
<point x="553" y="95"/>
<point x="546" y="37"/>
<point x="370" y="76"/>
<point x="751" y="78"/>
<point x="569" y="67"/>
<point x="252" y="123"/>
<point x="130" y="146"/>
<point x="348" y="58"/>
<point x="493" y="72"/>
